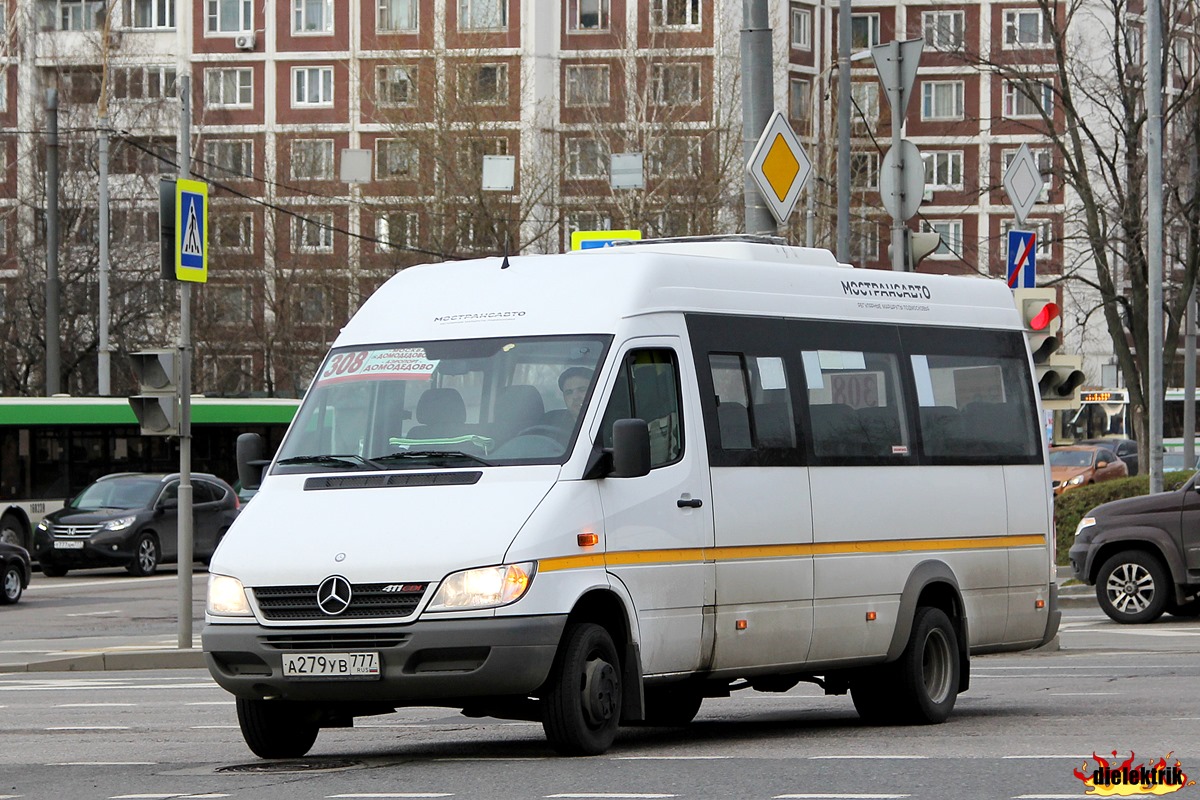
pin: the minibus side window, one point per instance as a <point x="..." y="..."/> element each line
<point x="648" y="388"/>
<point x="855" y="404"/>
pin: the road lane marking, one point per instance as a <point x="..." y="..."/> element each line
<point x="840" y="796"/>
<point x="671" y="758"/>
<point x="392" y="794"/>
<point x="102" y="764"/>
<point x="213" y="727"/>
<point x="95" y="613"/>
<point x="91" y="728"/>
<point x="614" y="795"/>
<point x="95" y="705"/>
<point x="1046" y="758"/>
<point x="870" y="757"/>
<point x="214" y="703"/>
<point x="1082" y="694"/>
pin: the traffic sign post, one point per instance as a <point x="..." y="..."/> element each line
<point x="779" y="167"/>
<point x="1022" y="259"/>
<point x="897" y="62"/>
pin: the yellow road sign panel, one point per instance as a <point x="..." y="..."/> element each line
<point x="779" y="167"/>
<point x="587" y="240"/>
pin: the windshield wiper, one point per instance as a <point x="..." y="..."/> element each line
<point x="347" y="461"/>
<point x="430" y="454"/>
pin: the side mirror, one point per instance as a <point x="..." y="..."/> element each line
<point x="168" y="502"/>
<point x="631" y="448"/>
<point x="1101" y="464"/>
<point x="250" y="461"/>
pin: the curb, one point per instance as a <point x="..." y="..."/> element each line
<point x="113" y="660"/>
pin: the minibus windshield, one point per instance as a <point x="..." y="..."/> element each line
<point x="461" y="403"/>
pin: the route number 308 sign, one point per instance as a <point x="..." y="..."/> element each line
<point x="384" y="364"/>
<point x="856" y="389"/>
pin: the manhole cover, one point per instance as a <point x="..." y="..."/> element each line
<point x="302" y="765"/>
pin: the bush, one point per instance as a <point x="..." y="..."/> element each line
<point x="1073" y="504"/>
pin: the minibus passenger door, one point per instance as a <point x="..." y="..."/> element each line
<point x="657" y="525"/>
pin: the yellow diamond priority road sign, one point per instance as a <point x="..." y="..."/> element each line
<point x="780" y="167"/>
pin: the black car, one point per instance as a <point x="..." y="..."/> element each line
<point x="14" y="572"/>
<point x="131" y="520"/>
<point x="1126" y="450"/>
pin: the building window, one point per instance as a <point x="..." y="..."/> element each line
<point x="396" y="86"/>
<point x="801" y="28"/>
<point x="1028" y="99"/>
<point x="864" y="240"/>
<point x="395" y="158"/>
<point x="229" y="88"/>
<point x="72" y="15"/>
<point x="943" y="170"/>
<point x="864" y="97"/>
<point x="1044" y="241"/>
<point x="676" y="156"/>
<point x="313" y="306"/>
<point x="312" y="233"/>
<point x="137" y="226"/>
<point x="675" y="84"/>
<point x="483" y="84"/>
<point x="587" y="85"/>
<point x="941" y="100"/>
<point x="1045" y="164"/>
<point x="228" y="376"/>
<point x="864" y="30"/>
<point x="864" y="171"/>
<point x="233" y="232"/>
<point x="943" y="30"/>
<point x="587" y="15"/>
<point x="397" y="16"/>
<point x="312" y="159"/>
<point x="143" y="83"/>
<point x="234" y="157"/>
<point x="312" y="16"/>
<point x="584" y="221"/>
<point x="469" y="157"/>
<point x="3" y="236"/>
<point x="397" y="229"/>
<point x="228" y="305"/>
<point x="585" y="158"/>
<point x="675" y="13"/>
<point x="1025" y="28"/>
<point x="230" y="16"/>
<point x="312" y="86"/>
<point x="951" y="231"/>
<point x="799" y="98"/>
<point x="482" y="15"/>
<point x="146" y="14"/>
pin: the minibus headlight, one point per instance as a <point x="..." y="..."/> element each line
<point x="227" y="597"/>
<point x="1084" y="524"/>
<point x="486" y="587"/>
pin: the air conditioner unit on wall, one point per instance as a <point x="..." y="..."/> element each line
<point x="244" y="41"/>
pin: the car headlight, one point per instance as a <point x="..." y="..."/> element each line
<point x="119" y="524"/>
<point x="227" y="597"/>
<point x="1078" y="479"/>
<point x="43" y="526"/>
<point x="1084" y="524"/>
<point x="486" y="587"/>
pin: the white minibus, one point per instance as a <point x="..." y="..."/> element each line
<point x="593" y="489"/>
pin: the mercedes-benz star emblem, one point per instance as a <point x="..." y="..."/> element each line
<point x="333" y="595"/>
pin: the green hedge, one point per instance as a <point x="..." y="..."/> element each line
<point x="1072" y="504"/>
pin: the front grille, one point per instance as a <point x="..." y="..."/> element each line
<point x="75" y="530"/>
<point x="368" y="601"/>
<point x="334" y="641"/>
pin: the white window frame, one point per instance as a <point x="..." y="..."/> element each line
<point x="228" y="223"/>
<point x="385" y="157"/>
<point x="864" y="170"/>
<point x="1045" y="236"/>
<point x="676" y="164"/>
<point x="951" y="231"/>
<point x="216" y="20"/>
<point x="302" y="78"/>
<point x="578" y="9"/>
<point x="794" y="102"/>
<point x="323" y="159"/>
<point x="388" y="223"/>
<point x="661" y="79"/>
<point x="303" y="26"/>
<point x="216" y="154"/>
<point x="394" y="76"/>
<point x="930" y="100"/>
<point x="313" y="232"/>
<point x="585" y="158"/>
<point x="482" y="15"/>
<point x="584" y="221"/>
<point x="309" y="297"/>
<point x="3" y="233"/>
<point x="218" y="367"/>
<point x="660" y="15"/>
<point x="161" y="15"/>
<point x="468" y="83"/>
<point x="944" y="31"/>
<point x="581" y="79"/>
<point x="1012" y="29"/>
<point x="217" y="84"/>
<point x="873" y="28"/>
<point x="865" y="239"/>
<point x="163" y="76"/>
<point x="1013" y="97"/>
<point x="801" y="28"/>
<point x="396" y="11"/>
<point x="74" y="15"/>
<point x="942" y="167"/>
<point x="864" y="109"/>
<point x="234" y="297"/>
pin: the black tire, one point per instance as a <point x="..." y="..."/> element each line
<point x="145" y="556"/>
<point x="920" y="687"/>
<point x="1133" y="587"/>
<point x="671" y="706"/>
<point x="52" y="570"/>
<point x="276" y="728"/>
<point x="1189" y="609"/>
<point x="10" y="584"/>
<point x="581" y="705"/>
<point x="874" y="700"/>
<point x="12" y="531"/>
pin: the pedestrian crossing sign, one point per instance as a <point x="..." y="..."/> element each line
<point x="191" y="231"/>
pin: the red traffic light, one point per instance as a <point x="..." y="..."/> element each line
<point x="1041" y="320"/>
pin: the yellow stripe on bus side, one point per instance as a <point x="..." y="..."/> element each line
<point x="764" y="551"/>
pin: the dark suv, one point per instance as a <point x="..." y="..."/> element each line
<point x="1143" y="554"/>
<point x="131" y="520"/>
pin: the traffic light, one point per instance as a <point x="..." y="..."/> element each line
<point x="919" y="246"/>
<point x="166" y="228"/>
<point x="155" y="405"/>
<point x="1059" y="380"/>
<point x="1042" y="318"/>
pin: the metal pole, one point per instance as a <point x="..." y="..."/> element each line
<point x="843" y="137"/>
<point x="185" y="394"/>
<point x="53" y="359"/>
<point x="757" y="104"/>
<point x="1154" y="234"/>
<point x="899" y="224"/>
<point x="104" y="371"/>
<point x="1189" y="379"/>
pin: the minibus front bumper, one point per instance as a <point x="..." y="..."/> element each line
<point x="424" y="663"/>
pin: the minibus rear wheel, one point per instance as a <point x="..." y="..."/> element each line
<point x="928" y="669"/>
<point x="581" y="707"/>
<point x="276" y="728"/>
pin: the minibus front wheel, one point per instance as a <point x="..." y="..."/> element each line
<point x="276" y="728"/>
<point x="581" y="705"/>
